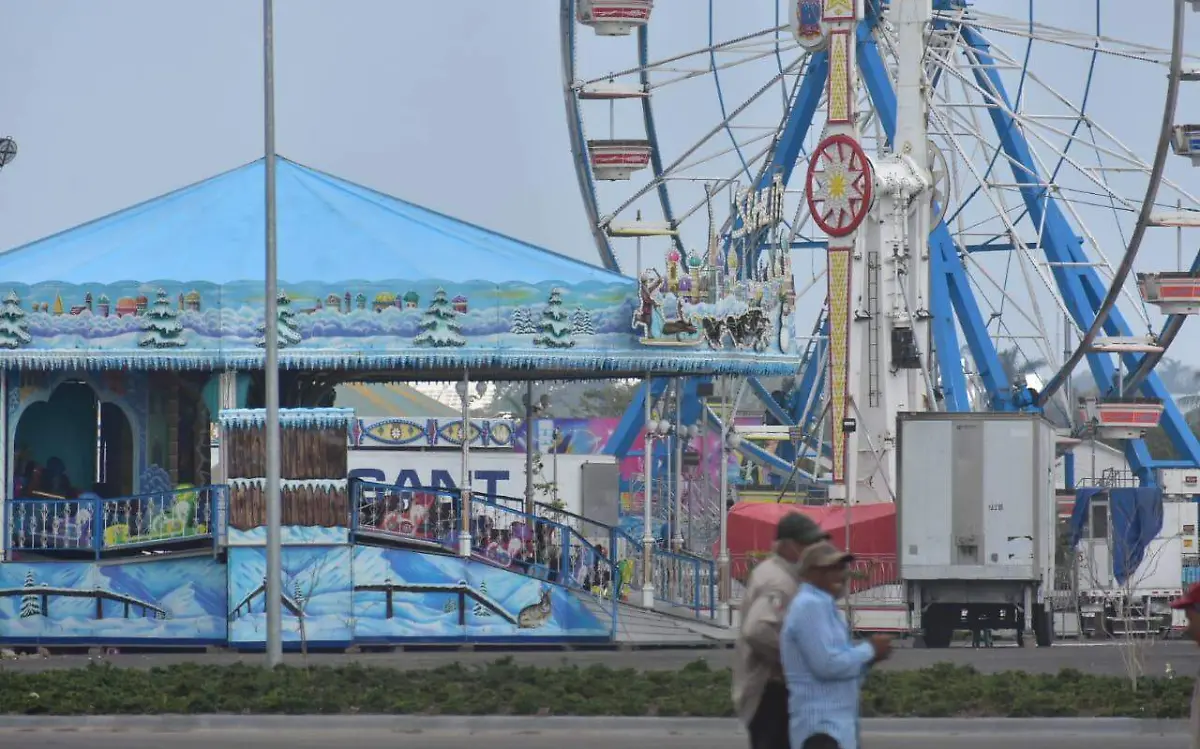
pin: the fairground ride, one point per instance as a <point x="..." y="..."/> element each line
<point x="974" y="197"/>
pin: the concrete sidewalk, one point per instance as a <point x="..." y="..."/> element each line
<point x="461" y="726"/>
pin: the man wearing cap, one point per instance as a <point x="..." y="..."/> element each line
<point x="759" y="693"/>
<point x="824" y="668"/>
<point x="1189" y="602"/>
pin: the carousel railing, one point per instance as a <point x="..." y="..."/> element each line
<point x="181" y="516"/>
<point x="501" y="534"/>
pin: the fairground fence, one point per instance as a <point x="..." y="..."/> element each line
<point x="92" y="526"/>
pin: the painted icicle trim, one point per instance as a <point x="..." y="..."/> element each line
<point x="295" y="418"/>
<point x="618" y="363"/>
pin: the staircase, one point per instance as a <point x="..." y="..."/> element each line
<point x="638" y="627"/>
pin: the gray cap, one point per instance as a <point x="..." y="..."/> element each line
<point x="798" y="527"/>
<point x="823" y="555"/>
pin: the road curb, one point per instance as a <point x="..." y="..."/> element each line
<point x="513" y="725"/>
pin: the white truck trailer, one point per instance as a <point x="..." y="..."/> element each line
<point x="1140" y="605"/>
<point x="977" y="524"/>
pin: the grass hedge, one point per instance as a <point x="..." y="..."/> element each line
<point x="505" y="688"/>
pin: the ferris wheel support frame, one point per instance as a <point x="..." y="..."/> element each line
<point x="1080" y="284"/>
<point x="952" y="303"/>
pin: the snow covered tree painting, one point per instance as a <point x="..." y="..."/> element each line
<point x="554" y="331"/>
<point x="162" y="328"/>
<point x="14" y="330"/>
<point x="30" y="605"/>
<point x="522" y="322"/>
<point x="581" y="322"/>
<point x="439" y="324"/>
<point x="288" y="327"/>
<point x="481" y="610"/>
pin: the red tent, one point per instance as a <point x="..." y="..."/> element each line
<point x="872" y="529"/>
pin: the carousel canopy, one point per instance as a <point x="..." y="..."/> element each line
<point x="367" y="282"/>
<point x="328" y="228"/>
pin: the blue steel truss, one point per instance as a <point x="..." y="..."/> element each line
<point x="952" y="303"/>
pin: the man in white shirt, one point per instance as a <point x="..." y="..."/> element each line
<point x="824" y="667"/>
<point x="759" y="692"/>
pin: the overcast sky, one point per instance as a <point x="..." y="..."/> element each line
<point x="456" y="105"/>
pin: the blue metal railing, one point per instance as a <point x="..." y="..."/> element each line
<point x="680" y="579"/>
<point x="501" y="534"/>
<point x="98" y="525"/>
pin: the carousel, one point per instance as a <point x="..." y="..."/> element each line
<point x="133" y="349"/>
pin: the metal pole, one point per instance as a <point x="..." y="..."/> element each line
<point x="1178" y="239"/>
<point x="647" y="503"/>
<point x="703" y="474"/>
<point x="677" y="536"/>
<point x="464" y="493"/>
<point x="274" y="583"/>
<point x="556" y="436"/>
<point x="639" y="263"/>
<point x="529" y="503"/>
<point x="722" y="512"/>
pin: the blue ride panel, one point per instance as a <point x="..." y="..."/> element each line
<point x="151" y="603"/>
<point x="406" y="596"/>
<point x="316" y="596"/>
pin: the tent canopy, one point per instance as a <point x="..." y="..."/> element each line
<point x="872" y="527"/>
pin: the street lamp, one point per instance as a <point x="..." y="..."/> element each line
<point x="655" y="429"/>
<point x="274" y="586"/>
<point x="464" y="493"/>
<point x="532" y="409"/>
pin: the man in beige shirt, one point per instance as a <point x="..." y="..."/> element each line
<point x="760" y="694"/>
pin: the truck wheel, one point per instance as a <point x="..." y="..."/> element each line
<point x="1043" y="626"/>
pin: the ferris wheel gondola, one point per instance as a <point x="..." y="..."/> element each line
<point x="1038" y="202"/>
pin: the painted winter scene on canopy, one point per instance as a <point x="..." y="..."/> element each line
<point x="173" y="601"/>
<point x="407" y="595"/>
<point x="315" y="599"/>
<point x="350" y="316"/>
<point x="206" y="323"/>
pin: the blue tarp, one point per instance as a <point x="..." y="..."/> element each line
<point x="1135" y="517"/>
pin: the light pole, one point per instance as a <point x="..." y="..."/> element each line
<point x="532" y="410"/>
<point x="678" y="436"/>
<point x="653" y="428"/>
<point x="274" y="584"/>
<point x="723" y="509"/>
<point x="464" y="483"/>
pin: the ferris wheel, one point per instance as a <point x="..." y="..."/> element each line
<point x="1056" y="210"/>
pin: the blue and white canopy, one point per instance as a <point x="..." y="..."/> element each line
<point x="368" y="281"/>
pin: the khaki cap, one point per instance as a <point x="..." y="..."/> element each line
<point x="823" y="555"/>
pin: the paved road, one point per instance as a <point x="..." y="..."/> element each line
<point x="1089" y="658"/>
<point x="293" y="740"/>
<point x="536" y="734"/>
